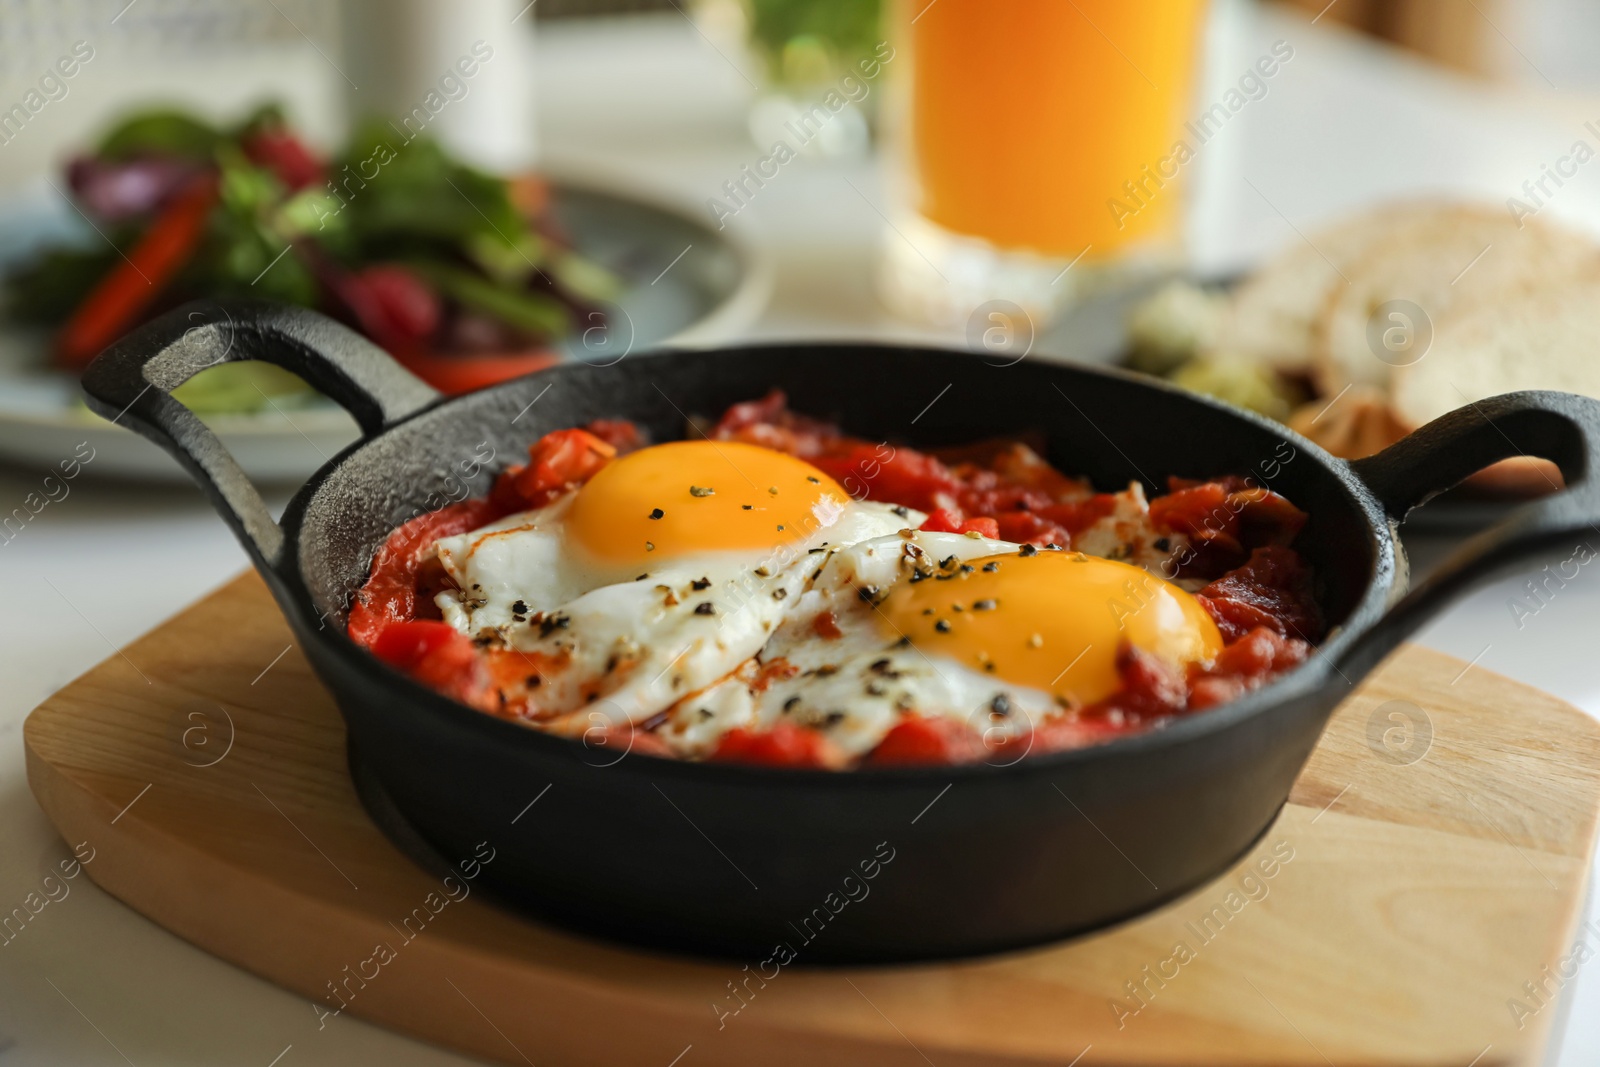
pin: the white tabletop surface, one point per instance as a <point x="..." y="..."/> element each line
<point x="91" y="982"/>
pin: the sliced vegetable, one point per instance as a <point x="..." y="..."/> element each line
<point x="467" y="374"/>
<point x="462" y="275"/>
<point x="114" y="306"/>
<point x="532" y="313"/>
<point x="161" y="133"/>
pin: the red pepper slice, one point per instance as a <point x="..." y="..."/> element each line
<point x="114" y="305"/>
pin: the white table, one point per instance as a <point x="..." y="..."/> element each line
<point x="92" y="983"/>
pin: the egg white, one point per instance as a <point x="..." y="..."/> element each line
<point x="636" y="645"/>
<point x="855" y="687"/>
<point x="632" y="640"/>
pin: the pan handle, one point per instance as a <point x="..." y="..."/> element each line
<point x="131" y="383"/>
<point x="1561" y="427"/>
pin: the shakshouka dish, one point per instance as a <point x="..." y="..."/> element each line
<point x="775" y="591"/>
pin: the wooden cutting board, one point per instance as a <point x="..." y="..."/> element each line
<point x="1431" y="860"/>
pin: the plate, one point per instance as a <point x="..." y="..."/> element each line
<point x="685" y="284"/>
<point x="1456" y="513"/>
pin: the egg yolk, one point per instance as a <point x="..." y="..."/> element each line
<point x="689" y="497"/>
<point x="1051" y="621"/>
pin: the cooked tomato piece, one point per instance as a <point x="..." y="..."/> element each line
<point x="941" y="520"/>
<point x="1273" y="590"/>
<point x="1249" y="662"/>
<point x="769" y="422"/>
<point x="915" y="739"/>
<point x="435" y="654"/>
<point x="1077" y="516"/>
<point x="1031" y="528"/>
<point x="1224" y="519"/>
<point x="785" y="745"/>
<point x="620" y="434"/>
<point x="1151" y="689"/>
<point x="898" y="476"/>
<point x="982" y="526"/>
<point x="1058" y="735"/>
<point x="390" y="594"/>
<point x="558" y="461"/>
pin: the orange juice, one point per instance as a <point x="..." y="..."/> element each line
<point x="1029" y="116"/>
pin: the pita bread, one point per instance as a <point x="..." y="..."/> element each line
<point x="1459" y="258"/>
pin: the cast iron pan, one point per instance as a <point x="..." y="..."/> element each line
<point x="871" y="865"/>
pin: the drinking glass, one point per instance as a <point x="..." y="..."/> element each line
<point x="1039" y="150"/>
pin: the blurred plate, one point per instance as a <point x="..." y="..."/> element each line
<point x="1456" y="513"/>
<point x="686" y="284"/>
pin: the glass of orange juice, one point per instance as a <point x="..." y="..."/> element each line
<point x="1040" y="149"/>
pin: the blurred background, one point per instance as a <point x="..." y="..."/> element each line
<point x="1306" y="207"/>
<point x="826" y="168"/>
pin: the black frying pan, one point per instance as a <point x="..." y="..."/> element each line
<point x="734" y="860"/>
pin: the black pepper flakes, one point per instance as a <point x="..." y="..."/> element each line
<point x="780" y="527"/>
<point x="868" y="593"/>
<point x="780" y="594"/>
<point x="1027" y="550"/>
<point x="813" y="481"/>
<point x="791" y="703"/>
<point x="991" y="566"/>
<point x="705" y="607"/>
<point x="747" y="507"/>
<point x="903" y="512"/>
<point x="642" y="577"/>
<point x="519" y="608"/>
<point x="1162" y="543"/>
<point x="943" y="626"/>
<point x="656" y="513"/>
<point x="946" y="563"/>
<point x="700" y="583"/>
<point x="833" y="718"/>
<point x="1000" y="705"/>
<point x="985" y="604"/>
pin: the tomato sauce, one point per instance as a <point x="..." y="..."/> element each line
<point x="1237" y="539"/>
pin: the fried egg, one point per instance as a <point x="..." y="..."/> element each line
<point x="663" y="575"/>
<point x="993" y="634"/>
